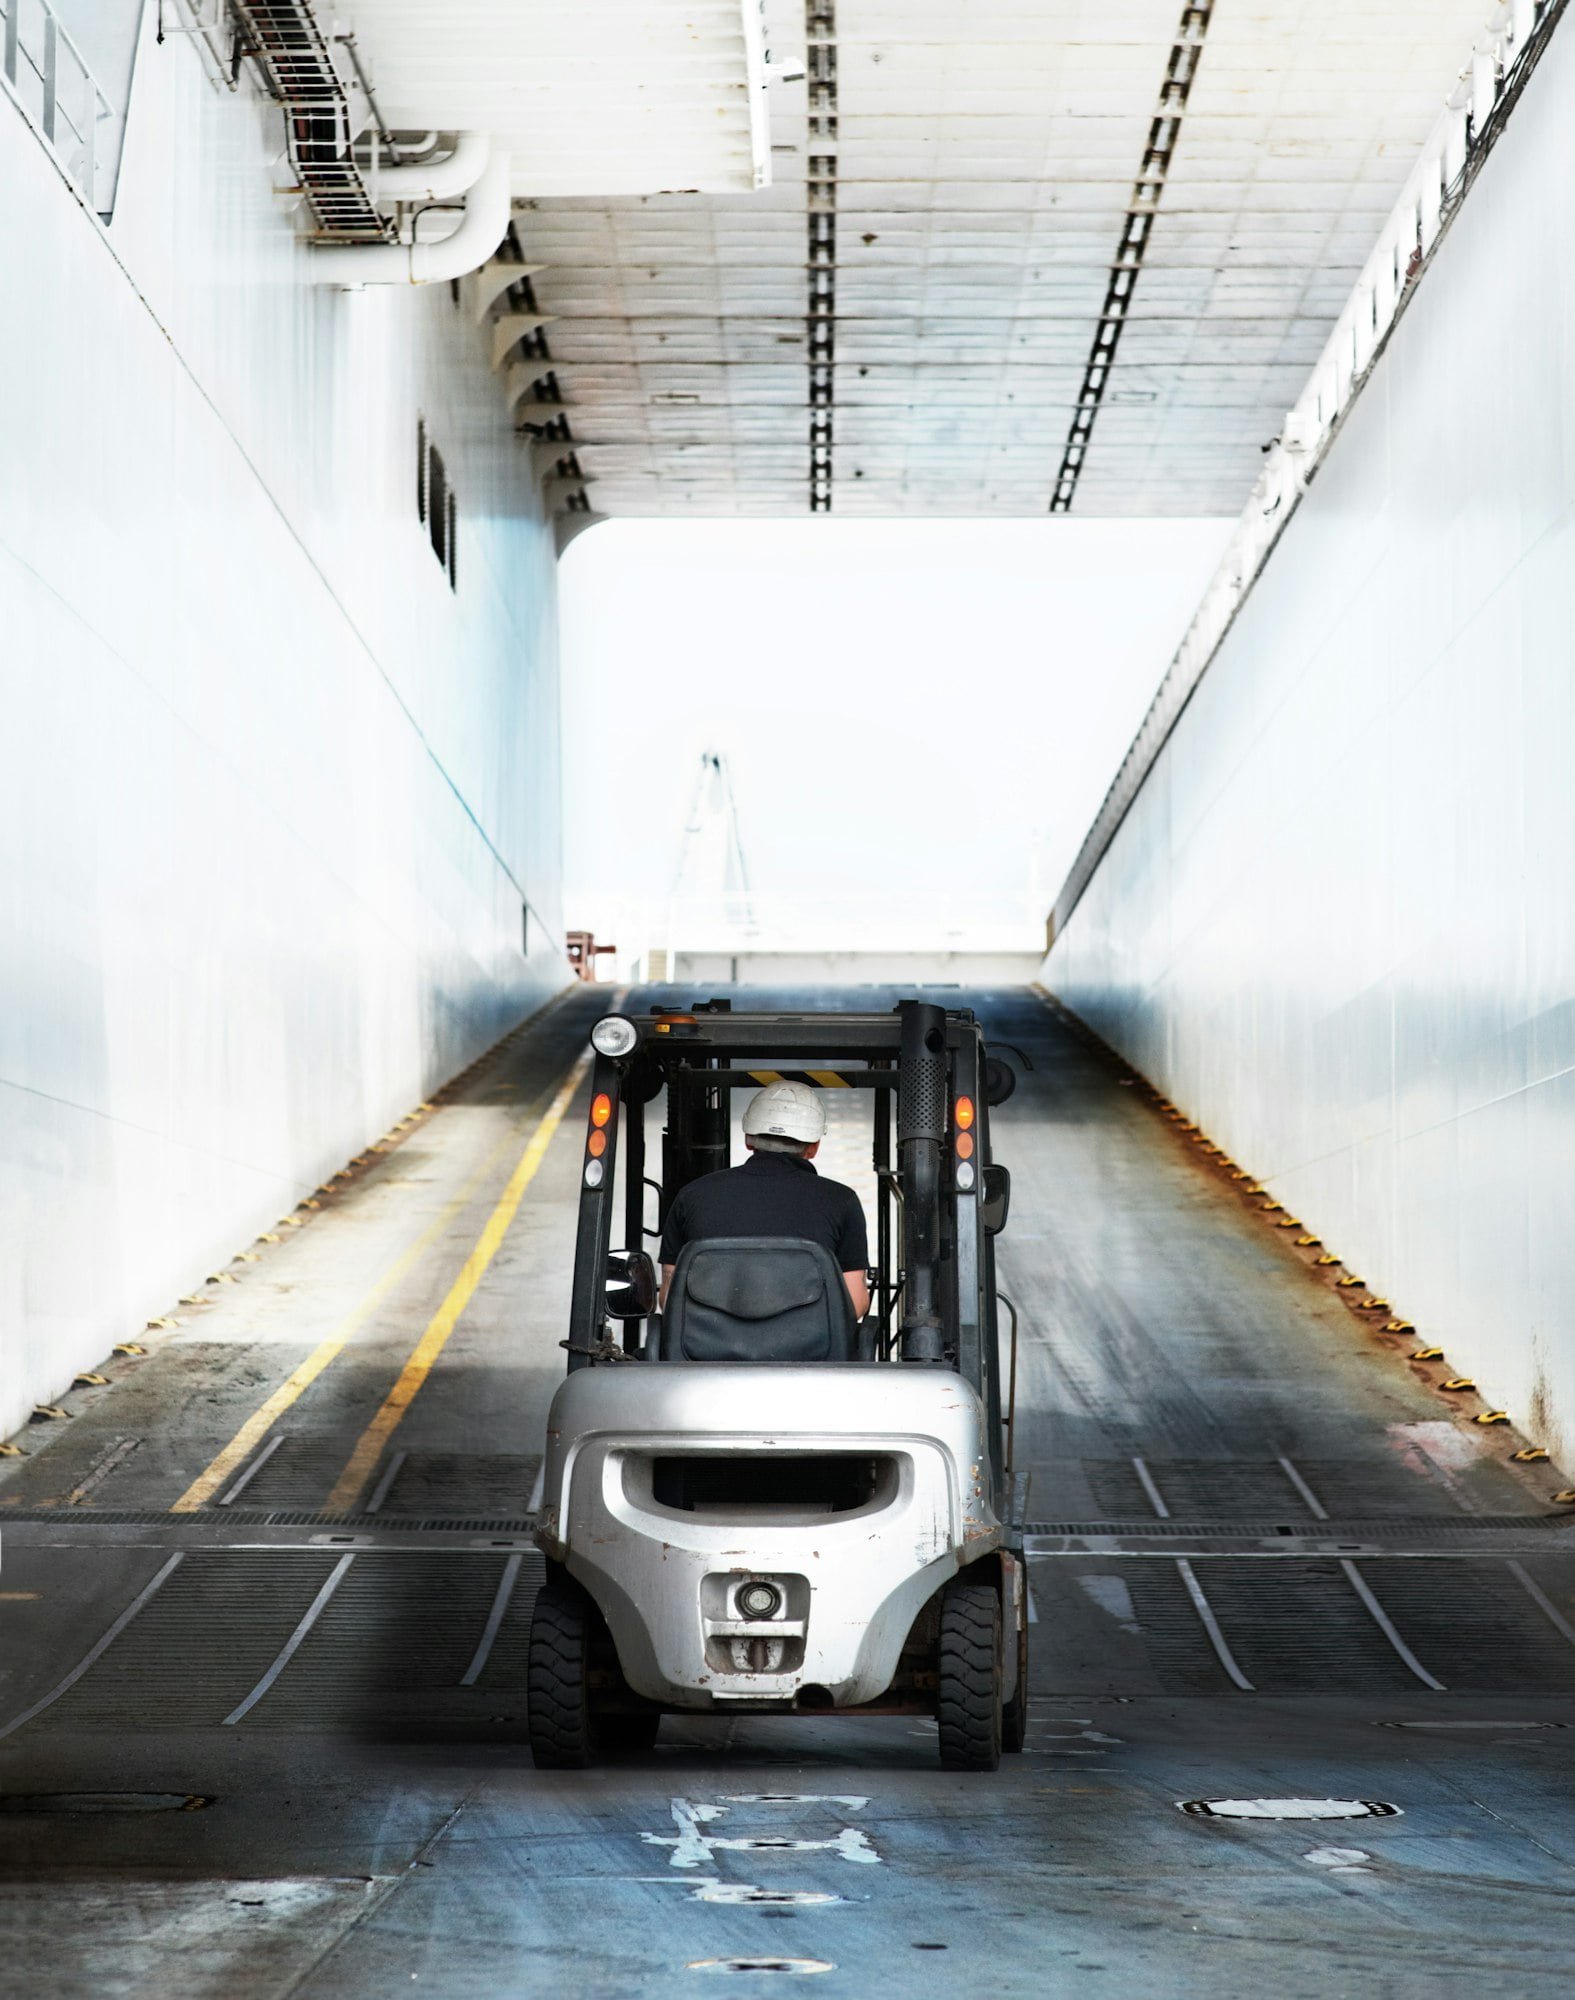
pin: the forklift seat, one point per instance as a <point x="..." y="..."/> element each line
<point x="757" y="1298"/>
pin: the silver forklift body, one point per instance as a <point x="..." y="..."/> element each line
<point x="774" y="1564"/>
<point x="750" y="1503"/>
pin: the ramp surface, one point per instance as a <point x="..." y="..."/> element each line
<point x="1278" y="1580"/>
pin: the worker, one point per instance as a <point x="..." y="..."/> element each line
<point x="776" y="1192"/>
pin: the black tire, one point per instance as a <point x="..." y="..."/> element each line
<point x="1014" y="1716"/>
<point x="560" y="1720"/>
<point x="968" y="1662"/>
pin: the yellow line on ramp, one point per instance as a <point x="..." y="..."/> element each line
<point x="369" y="1449"/>
<point x="257" y="1426"/>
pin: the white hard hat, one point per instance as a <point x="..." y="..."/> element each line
<point x="785" y="1111"/>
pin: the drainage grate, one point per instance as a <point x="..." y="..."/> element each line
<point x="1300" y="1628"/>
<point x="198" y="1647"/>
<point x="1444" y="1530"/>
<point x="251" y="1517"/>
<point x="440" y="1485"/>
<point x="407" y="1638"/>
<point x="1204" y="1489"/>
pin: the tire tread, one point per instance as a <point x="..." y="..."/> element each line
<point x="968" y="1659"/>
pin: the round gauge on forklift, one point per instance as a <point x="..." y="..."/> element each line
<point x="614" y="1036"/>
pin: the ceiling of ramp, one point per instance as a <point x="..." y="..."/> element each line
<point x="1015" y="257"/>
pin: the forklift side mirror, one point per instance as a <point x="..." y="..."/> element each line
<point x="1000" y="1080"/>
<point x="995" y="1200"/>
<point x="631" y="1284"/>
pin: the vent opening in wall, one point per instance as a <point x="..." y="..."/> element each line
<point x="435" y="502"/>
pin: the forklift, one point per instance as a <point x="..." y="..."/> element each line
<point x="751" y="1503"/>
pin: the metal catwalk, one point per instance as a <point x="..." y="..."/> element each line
<point x="265" y="1596"/>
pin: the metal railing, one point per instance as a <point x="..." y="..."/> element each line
<point x="45" y="72"/>
<point x="291" y="54"/>
<point x="1501" y="61"/>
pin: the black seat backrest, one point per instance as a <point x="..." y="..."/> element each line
<point x="757" y="1298"/>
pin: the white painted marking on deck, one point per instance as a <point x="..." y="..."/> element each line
<point x="854" y="1801"/>
<point x="1382" y="1620"/>
<point x="1310" y="1500"/>
<point x="691" y="1849"/>
<point x="1359" y="1584"/>
<point x="233" y="1493"/>
<point x="1339" y="1860"/>
<point x="381" y="1491"/>
<point x="1211" y="1625"/>
<point x="1543" y="1602"/>
<point x="1146" y="1480"/>
<point x="1194" y="1589"/>
<point x="292" y="1645"/>
<point x="500" y="1605"/>
<point x="694" y="1848"/>
<point x="96" y="1651"/>
<point x="1113" y="1595"/>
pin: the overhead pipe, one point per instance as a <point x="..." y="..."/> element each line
<point x="482" y="228"/>
<point x="436" y="180"/>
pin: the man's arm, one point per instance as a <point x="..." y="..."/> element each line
<point x="854" y="1252"/>
<point x="674" y="1236"/>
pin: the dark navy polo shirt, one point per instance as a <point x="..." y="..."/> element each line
<point x="771" y="1194"/>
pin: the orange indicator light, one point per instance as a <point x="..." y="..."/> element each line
<point x="601" y="1108"/>
<point x="597" y="1144"/>
<point x="964" y="1145"/>
<point x="964" y="1113"/>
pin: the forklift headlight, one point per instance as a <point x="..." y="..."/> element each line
<point x="593" y="1173"/>
<point x="614" y="1036"/>
<point x="965" y="1174"/>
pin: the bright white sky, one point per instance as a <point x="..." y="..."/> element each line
<point x="921" y="716"/>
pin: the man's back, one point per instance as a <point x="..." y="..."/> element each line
<point x="772" y="1194"/>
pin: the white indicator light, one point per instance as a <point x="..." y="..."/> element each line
<point x="965" y="1174"/>
<point x="593" y="1173"/>
<point x="614" y="1036"/>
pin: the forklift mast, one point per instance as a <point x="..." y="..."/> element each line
<point x="934" y="1255"/>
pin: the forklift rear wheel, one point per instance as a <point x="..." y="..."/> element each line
<point x="559" y="1718"/>
<point x="1014" y="1718"/>
<point x="968" y="1660"/>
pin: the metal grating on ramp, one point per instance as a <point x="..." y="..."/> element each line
<point x="393" y="1645"/>
<point x="1299" y="1628"/>
<point x="202" y="1643"/>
